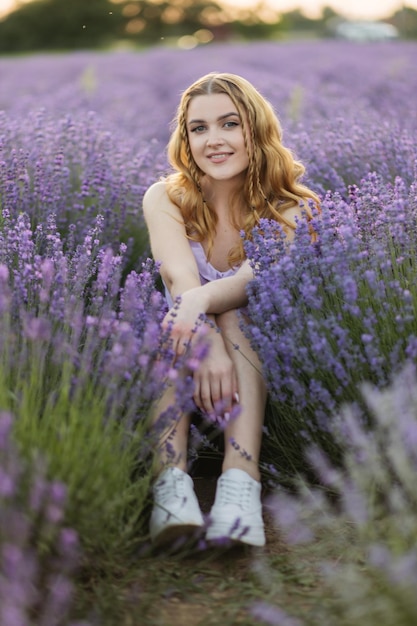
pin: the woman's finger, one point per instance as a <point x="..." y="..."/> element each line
<point x="205" y="397"/>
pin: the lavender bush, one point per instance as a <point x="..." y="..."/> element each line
<point x="361" y="520"/>
<point x="81" y="364"/>
<point x="74" y="170"/>
<point x="82" y="359"/>
<point x="328" y="315"/>
<point x="39" y="555"/>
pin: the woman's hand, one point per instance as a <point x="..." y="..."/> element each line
<point x="215" y="383"/>
<point x="185" y="320"/>
<point x="215" y="379"/>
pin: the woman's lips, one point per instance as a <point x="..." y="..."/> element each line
<point x="219" y="157"/>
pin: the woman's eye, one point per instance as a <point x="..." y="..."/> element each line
<point x="201" y="128"/>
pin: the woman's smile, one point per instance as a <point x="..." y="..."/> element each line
<point x="219" y="157"/>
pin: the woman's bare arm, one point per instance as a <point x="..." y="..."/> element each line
<point x="216" y="379"/>
<point x="169" y="244"/>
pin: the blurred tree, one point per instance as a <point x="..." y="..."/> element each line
<point x="72" y="24"/>
<point x="148" y="22"/>
<point x="258" y="30"/>
<point x="296" y="21"/>
<point x="59" y="24"/>
<point x="405" y="20"/>
<point x="328" y="13"/>
<point x="259" y="21"/>
<point x="329" y="21"/>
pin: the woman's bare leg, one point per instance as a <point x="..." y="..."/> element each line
<point x="176" y="513"/>
<point x="243" y="435"/>
<point x="173" y="437"/>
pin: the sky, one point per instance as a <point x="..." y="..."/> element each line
<point x="354" y="9"/>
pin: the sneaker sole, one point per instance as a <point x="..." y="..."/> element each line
<point x="181" y="534"/>
<point x="219" y="533"/>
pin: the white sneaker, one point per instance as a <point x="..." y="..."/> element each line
<point x="237" y="510"/>
<point x="176" y="513"/>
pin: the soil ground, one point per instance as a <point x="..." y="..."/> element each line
<point x="220" y="587"/>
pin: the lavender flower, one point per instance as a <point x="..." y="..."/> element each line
<point x="364" y="510"/>
<point x="272" y="615"/>
<point x="326" y="316"/>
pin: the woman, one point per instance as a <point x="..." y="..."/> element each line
<point x="231" y="170"/>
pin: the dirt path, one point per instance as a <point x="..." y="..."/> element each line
<point x="218" y="587"/>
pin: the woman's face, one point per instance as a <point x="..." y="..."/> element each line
<point x="216" y="138"/>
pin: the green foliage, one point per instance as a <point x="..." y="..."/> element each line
<point x="385" y="304"/>
<point x="64" y="25"/>
<point x="297" y="21"/>
<point x="59" y="25"/>
<point x="361" y="521"/>
<point x="406" y="21"/>
<point x="85" y="444"/>
<point x="81" y="24"/>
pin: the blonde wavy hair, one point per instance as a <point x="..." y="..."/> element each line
<point x="272" y="182"/>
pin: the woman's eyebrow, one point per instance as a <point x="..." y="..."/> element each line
<point x="221" y="117"/>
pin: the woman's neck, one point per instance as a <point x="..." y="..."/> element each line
<point x="218" y="193"/>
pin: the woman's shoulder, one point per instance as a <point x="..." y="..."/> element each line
<point x="167" y="187"/>
<point x="156" y="197"/>
<point x="155" y="191"/>
<point x="157" y="200"/>
<point x="298" y="211"/>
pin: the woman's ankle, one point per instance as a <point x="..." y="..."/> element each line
<point x="161" y="465"/>
<point x="250" y="467"/>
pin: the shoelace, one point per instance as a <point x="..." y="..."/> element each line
<point x="234" y="492"/>
<point x="165" y="489"/>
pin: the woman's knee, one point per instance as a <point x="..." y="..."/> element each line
<point x="229" y="320"/>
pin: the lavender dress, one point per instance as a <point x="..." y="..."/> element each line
<point x="205" y="269"/>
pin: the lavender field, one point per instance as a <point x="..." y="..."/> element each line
<point x="82" y="136"/>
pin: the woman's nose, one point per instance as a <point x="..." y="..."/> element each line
<point x="214" y="137"/>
